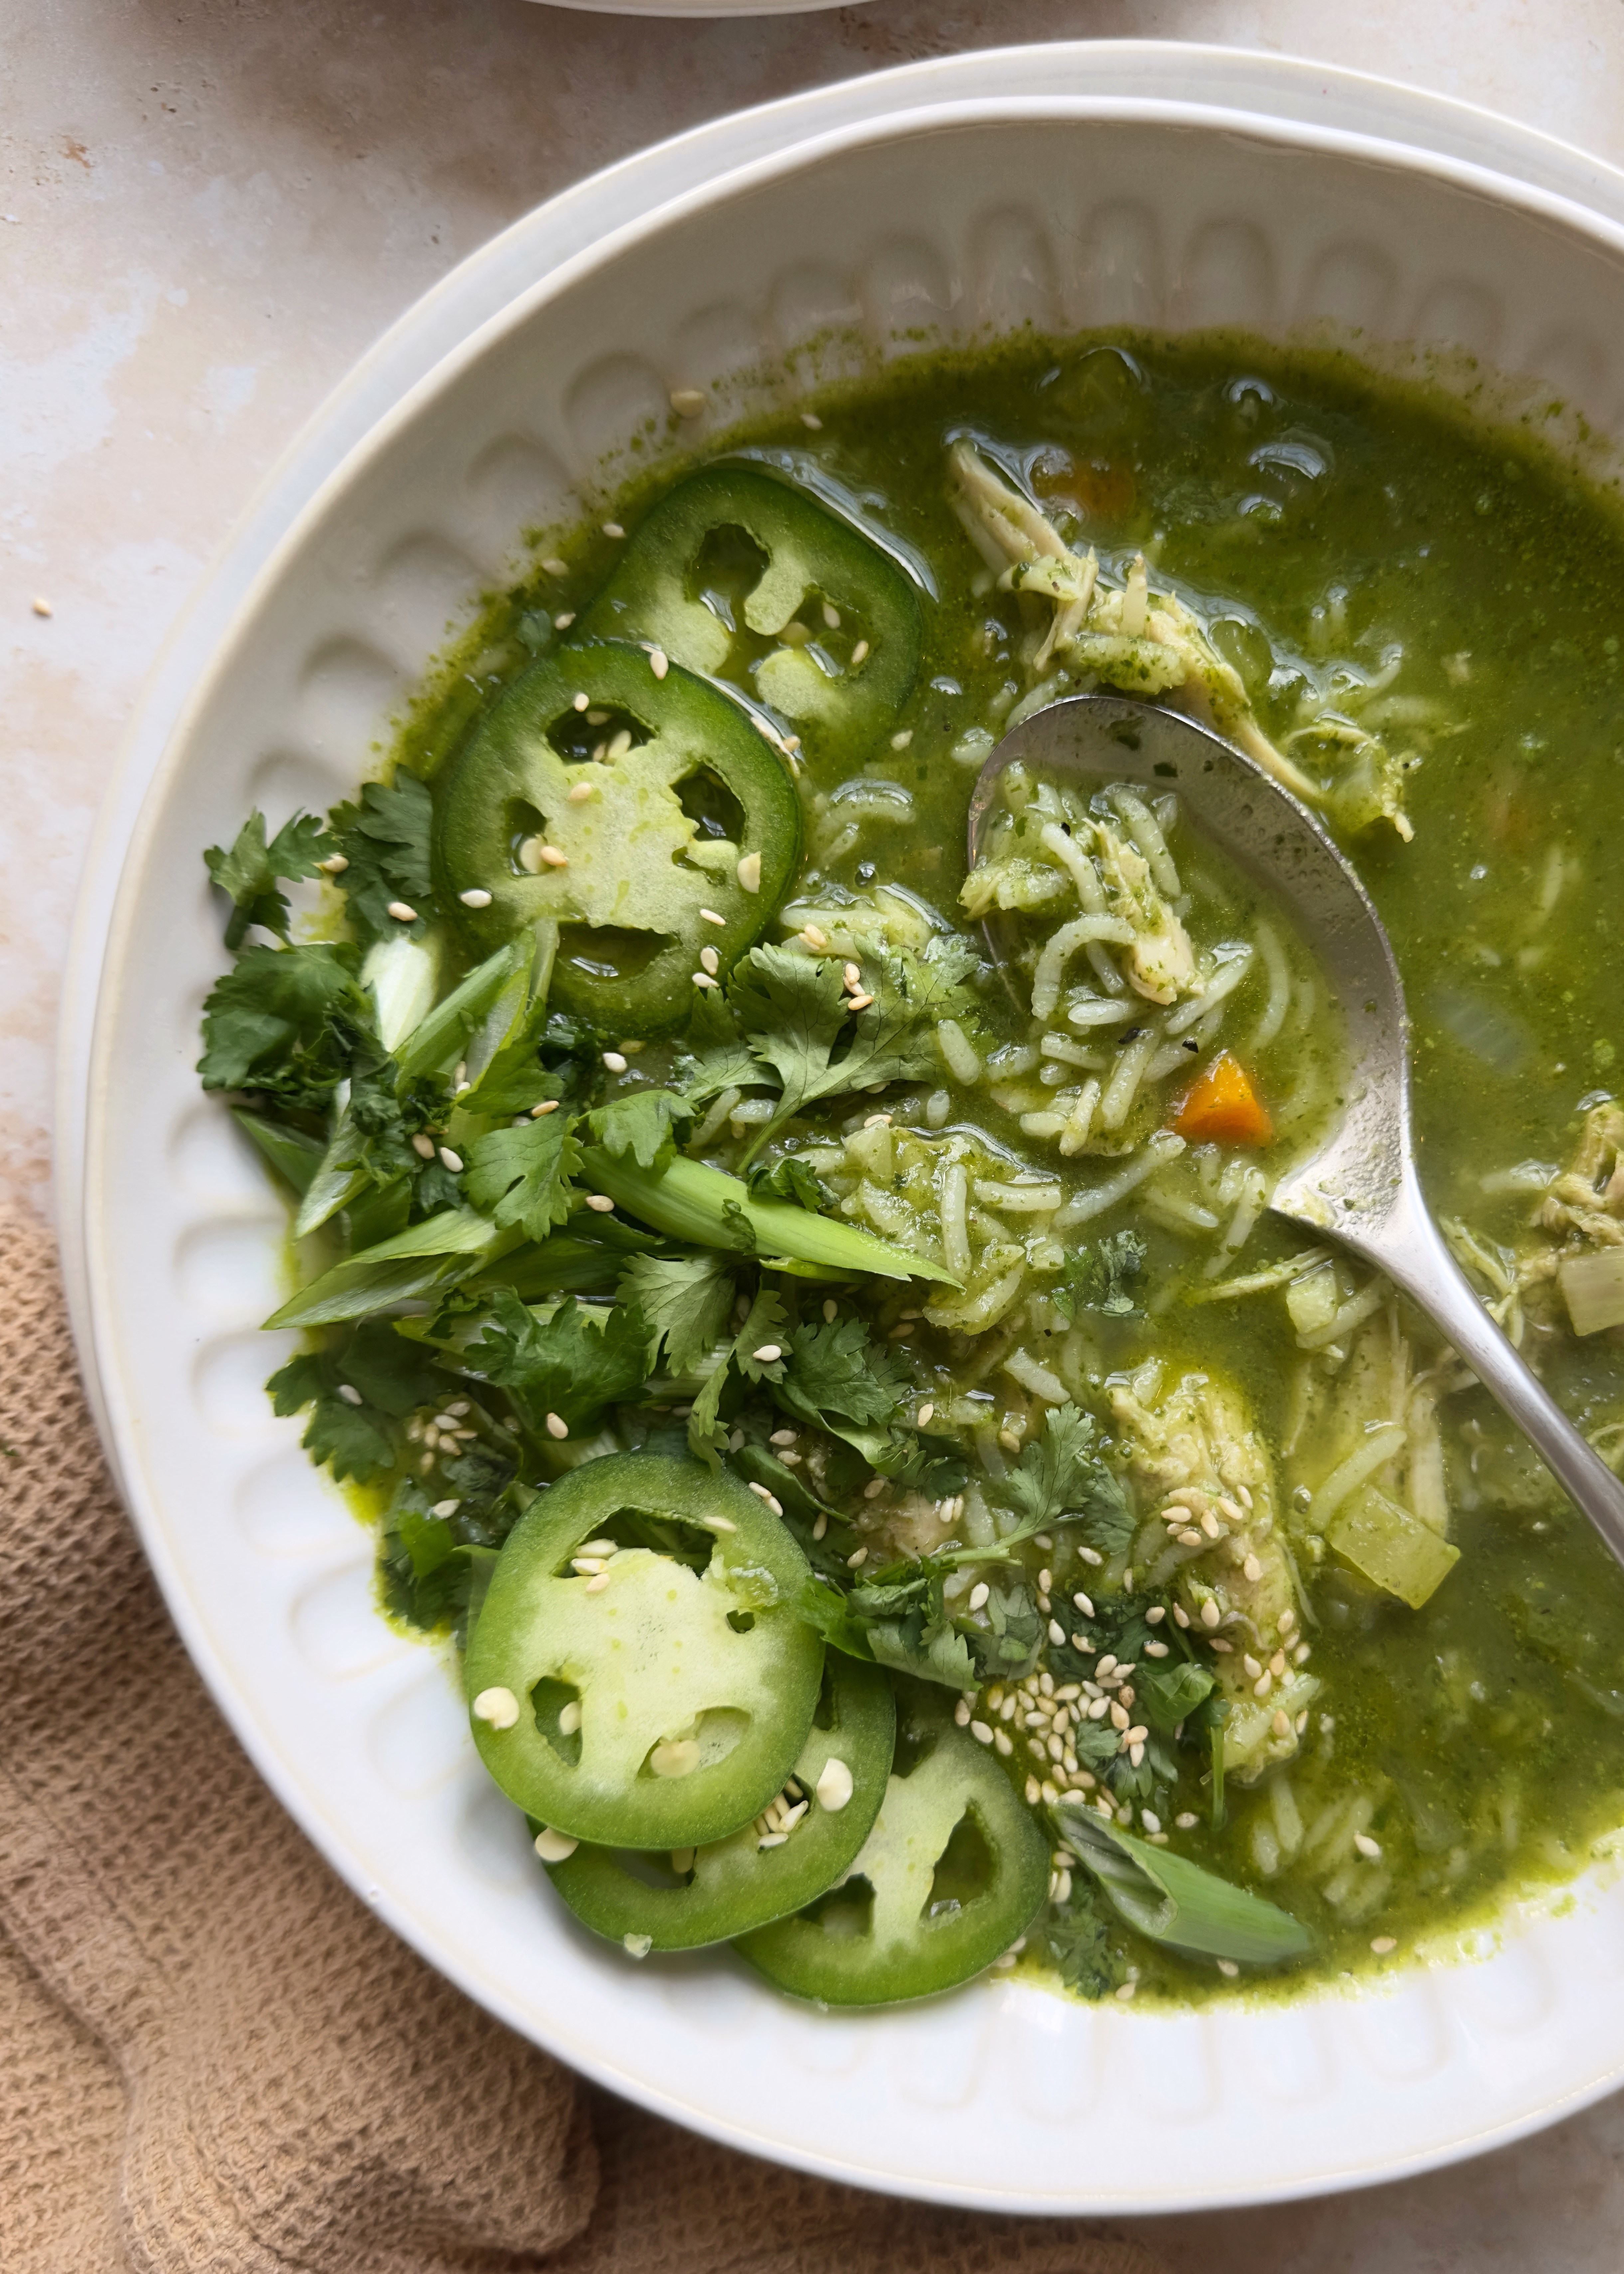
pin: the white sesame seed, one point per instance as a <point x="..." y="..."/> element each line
<point x="1252" y="1568"/>
<point x="1366" y="1846"/>
<point x="1056" y="1632"/>
<point x="1091" y="1557"/>
<point x="658" y="662"/>
<point x="556" y="568"/>
<point x="615" y="1061"/>
<point x="596" y="1585"/>
<point x="1384" y="1943"/>
<point x="498" y="1708"/>
<point x="569" y="1717"/>
<point x="769" y="1354"/>
<point x="834" y="1786"/>
<point x="961" y="1713"/>
<point x="981" y="1733"/>
<point x="900" y="742"/>
<point x="687" y="402"/>
<point x="750" y="873"/>
<point x="452" y="1163"/>
<point x="710" y="916"/>
<point x="476" y="897"/>
<point x="548" y="1105"/>
<point x="42" y="607"/>
<point x="1288" y="1620"/>
<point x="860" y="653"/>
<point x="554" y="1847"/>
<point x="811" y="421"/>
<point x="1228" y="1968"/>
<point x="858" y="1002"/>
<point x="554" y="857"/>
<point x="578" y="701"/>
<point x="402" y="913"/>
<point x="1186" y="1822"/>
<point x="613" y="528"/>
<point x="562" y="622"/>
<point x="875" y="1486"/>
<point x="557" y="1427"/>
<point x="1210" y="1613"/>
<point x="703" y="979"/>
<point x="351" y="1395"/>
<point x="581" y="791"/>
<point x="857" y="1559"/>
<point x="1126" y="1992"/>
<point x="710" y="961"/>
<point x="1252" y="1668"/>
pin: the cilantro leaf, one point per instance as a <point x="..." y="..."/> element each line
<point x="793" y="1008"/>
<point x="840" y="1370"/>
<point x="639" y="1123"/>
<point x="522" y="1176"/>
<point x="387" y="1376"/>
<point x="763" y="1329"/>
<point x="932" y="1653"/>
<point x="718" y="1057"/>
<point x="431" y="1575"/>
<point x="685" y="1302"/>
<point x="1079" y="1947"/>
<point x="248" y="874"/>
<point x="1166" y="1694"/>
<point x="790" y="1178"/>
<point x="1062" y="1477"/>
<point x="283" y="1021"/>
<point x="576" y="1364"/>
<point x="1009" y="1650"/>
<point x="794" y="1012"/>
<point x="1102" y="1278"/>
<point x="385" y="840"/>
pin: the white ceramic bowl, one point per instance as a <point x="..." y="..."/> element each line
<point x="947" y="221"/>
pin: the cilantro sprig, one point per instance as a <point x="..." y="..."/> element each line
<point x="251" y="870"/>
<point x="788" y="1023"/>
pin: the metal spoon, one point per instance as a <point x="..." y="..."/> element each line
<point x="1360" y="1187"/>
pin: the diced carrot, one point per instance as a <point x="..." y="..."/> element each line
<point x="1222" y="1107"/>
<point x="1097" y="489"/>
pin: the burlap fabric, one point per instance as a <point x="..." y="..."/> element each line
<point x="213" y="2058"/>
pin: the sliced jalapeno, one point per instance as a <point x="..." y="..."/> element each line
<point x="953" y="1870"/>
<point x="742" y="577"/>
<point x="762" y="1873"/>
<point x="631" y="811"/>
<point x="649" y="1695"/>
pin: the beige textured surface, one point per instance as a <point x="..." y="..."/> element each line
<point x="207" y="208"/>
<point x="215" y="2059"/>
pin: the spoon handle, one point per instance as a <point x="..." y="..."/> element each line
<point x="1410" y="1248"/>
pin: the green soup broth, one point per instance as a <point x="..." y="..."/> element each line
<point x="1357" y="549"/>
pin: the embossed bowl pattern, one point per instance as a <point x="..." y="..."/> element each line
<point x="954" y="223"/>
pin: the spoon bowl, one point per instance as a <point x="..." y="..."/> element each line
<point x="1359" y="1186"/>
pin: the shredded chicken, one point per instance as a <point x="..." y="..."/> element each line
<point x="1206" y="1478"/>
<point x="1152" y="643"/>
<point x="1586" y="1204"/>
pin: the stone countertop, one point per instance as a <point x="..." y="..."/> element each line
<point x="208" y="208"/>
